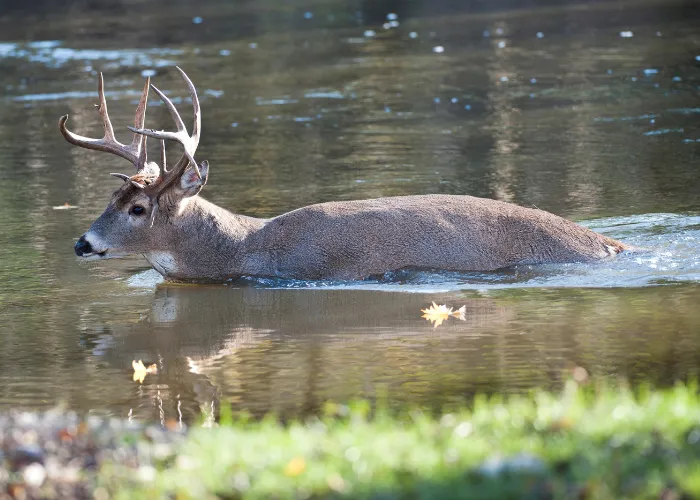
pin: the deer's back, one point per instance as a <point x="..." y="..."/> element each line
<point x="354" y="239"/>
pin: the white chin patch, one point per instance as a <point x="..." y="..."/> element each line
<point x="92" y="256"/>
<point x="100" y="256"/>
<point x="163" y="262"/>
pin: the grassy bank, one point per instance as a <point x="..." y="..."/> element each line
<point x="583" y="443"/>
<point x="607" y="443"/>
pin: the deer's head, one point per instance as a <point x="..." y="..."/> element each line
<point x="141" y="209"/>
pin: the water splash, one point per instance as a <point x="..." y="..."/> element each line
<point x="275" y="101"/>
<point x="664" y="131"/>
<point x="320" y="94"/>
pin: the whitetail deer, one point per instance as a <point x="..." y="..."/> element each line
<point x="158" y="213"/>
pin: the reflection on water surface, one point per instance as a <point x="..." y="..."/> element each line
<point x="588" y="110"/>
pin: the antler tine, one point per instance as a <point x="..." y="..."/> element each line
<point x="96" y="144"/>
<point x="135" y="152"/>
<point x="123" y="177"/>
<point x="139" y="141"/>
<point x="194" y="164"/>
<point x="196" y="127"/>
<point x="102" y="109"/>
<point x="171" y="107"/>
<point x="163" y="159"/>
<point x="140" y="117"/>
<point x="126" y="178"/>
<point x="180" y="137"/>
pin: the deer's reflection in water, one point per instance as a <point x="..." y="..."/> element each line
<point x="289" y="351"/>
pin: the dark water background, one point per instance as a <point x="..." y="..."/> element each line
<point x="589" y="110"/>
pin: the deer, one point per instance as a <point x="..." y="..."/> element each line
<point x="158" y="213"/>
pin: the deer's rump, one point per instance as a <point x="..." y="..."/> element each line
<point x="355" y="239"/>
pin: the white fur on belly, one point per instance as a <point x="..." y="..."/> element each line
<point x="611" y="249"/>
<point x="163" y="262"/>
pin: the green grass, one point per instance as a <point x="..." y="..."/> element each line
<point x="582" y="443"/>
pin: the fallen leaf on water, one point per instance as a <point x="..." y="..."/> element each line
<point x="140" y="371"/>
<point x="461" y="313"/>
<point x="437" y="314"/>
<point x="296" y="466"/>
<point x="65" y="206"/>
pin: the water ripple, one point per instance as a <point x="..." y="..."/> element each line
<point x="51" y="54"/>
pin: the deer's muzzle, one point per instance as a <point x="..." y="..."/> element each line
<point x="83" y="248"/>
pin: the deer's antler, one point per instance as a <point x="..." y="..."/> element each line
<point x="134" y="152"/>
<point x="168" y="177"/>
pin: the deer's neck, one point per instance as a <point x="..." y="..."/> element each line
<point x="206" y="241"/>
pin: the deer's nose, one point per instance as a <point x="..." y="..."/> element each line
<point x="82" y="247"/>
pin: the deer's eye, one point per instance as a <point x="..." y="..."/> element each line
<point x="137" y="210"/>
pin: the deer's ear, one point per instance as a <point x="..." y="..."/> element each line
<point x="191" y="183"/>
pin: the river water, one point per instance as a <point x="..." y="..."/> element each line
<point x="588" y="110"/>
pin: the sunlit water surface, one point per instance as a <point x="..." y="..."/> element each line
<point x="586" y="110"/>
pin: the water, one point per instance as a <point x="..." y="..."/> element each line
<point x="549" y="107"/>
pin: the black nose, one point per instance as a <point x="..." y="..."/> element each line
<point x="82" y="246"/>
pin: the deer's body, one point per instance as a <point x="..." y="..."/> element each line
<point x="159" y="213"/>
<point x="356" y="239"/>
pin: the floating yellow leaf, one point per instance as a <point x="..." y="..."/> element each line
<point x="65" y="206"/>
<point x="296" y="466"/>
<point x="140" y="371"/>
<point x="437" y="314"/>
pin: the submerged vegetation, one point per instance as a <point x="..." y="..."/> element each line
<point x="585" y="442"/>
